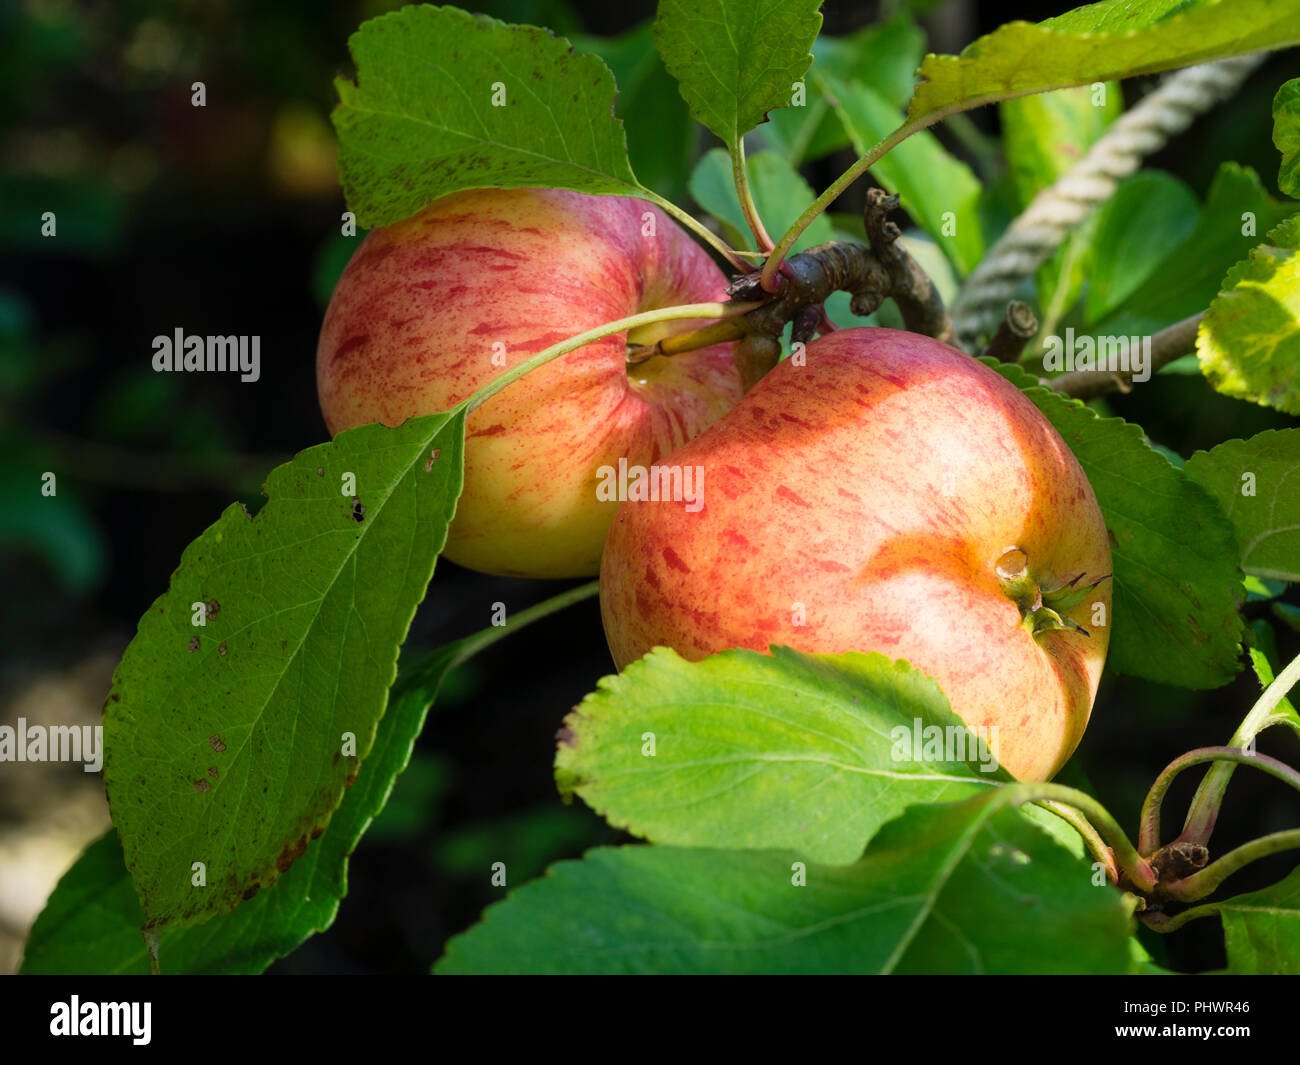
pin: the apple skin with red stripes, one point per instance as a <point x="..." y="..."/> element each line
<point x="432" y="308"/>
<point x="870" y="500"/>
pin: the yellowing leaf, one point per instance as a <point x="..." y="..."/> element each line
<point x="1249" y="341"/>
<point x="1099" y="42"/>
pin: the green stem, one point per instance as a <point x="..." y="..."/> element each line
<point x="1090" y="835"/>
<point x="718" y="332"/>
<point x="1127" y="859"/>
<point x="1158" y="922"/>
<point x="1149" y="833"/>
<point x="430" y="666"/>
<point x="692" y="223"/>
<point x="1204" y="810"/>
<point x="665" y="314"/>
<point x="816" y="111"/>
<point x="832" y="193"/>
<point x="1202" y="883"/>
<point x="472" y="645"/>
<point x="740" y="175"/>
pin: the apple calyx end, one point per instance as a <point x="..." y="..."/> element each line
<point x="1041" y="611"/>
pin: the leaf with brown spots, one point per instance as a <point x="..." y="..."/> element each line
<point x="91" y="923"/>
<point x="314" y="608"/>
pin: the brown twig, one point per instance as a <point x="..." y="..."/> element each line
<point x="1166" y="346"/>
<point x="870" y="275"/>
<point x="910" y="286"/>
<point x="1018" y="326"/>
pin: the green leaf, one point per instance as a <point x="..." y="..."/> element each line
<point x="884" y="55"/>
<point x="736" y="60"/>
<point x="1060" y="280"/>
<point x="780" y="195"/>
<point x="415" y="805"/>
<point x="1176" y="580"/>
<point x="1258" y="588"/>
<point x="1261" y="929"/>
<point x="1150" y="213"/>
<point x="421" y="122"/>
<point x="231" y="743"/>
<point x="1099" y="42"/>
<point x="1263" y="659"/>
<point x="531" y="839"/>
<point x="751" y="750"/>
<point x="91" y="923"/>
<point x="967" y="887"/>
<point x="1056" y="826"/>
<point x="1142" y="964"/>
<point x="660" y="132"/>
<point x="1046" y="134"/>
<point x="1286" y="136"/>
<point x="1249" y="341"/>
<point x="936" y="188"/>
<point x="1191" y="273"/>
<point x="1257" y="482"/>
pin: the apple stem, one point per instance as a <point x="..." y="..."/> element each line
<point x="1149" y="832"/>
<point x="740" y="175"/>
<point x="1204" y="809"/>
<point x="679" y="343"/>
<point x="665" y="314"/>
<point x="471" y="645"/>
<point x="734" y="257"/>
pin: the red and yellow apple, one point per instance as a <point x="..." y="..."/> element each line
<point x="432" y="308"/>
<point x="894" y="495"/>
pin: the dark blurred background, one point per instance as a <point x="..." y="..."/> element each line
<point x="225" y="220"/>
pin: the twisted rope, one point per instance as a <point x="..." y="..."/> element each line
<point x="1059" y="208"/>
